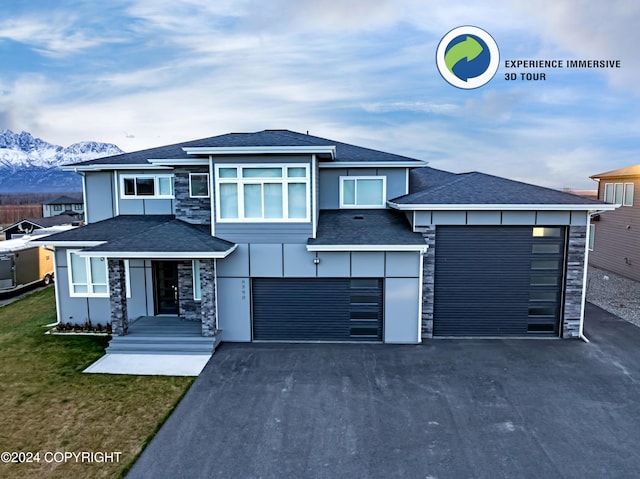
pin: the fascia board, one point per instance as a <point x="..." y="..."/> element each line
<point x="259" y="150"/>
<point x="504" y="207"/>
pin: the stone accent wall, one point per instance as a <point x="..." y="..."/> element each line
<point x="192" y="210"/>
<point x="208" y="294"/>
<point x="118" y="297"/>
<point x="189" y="308"/>
<point x="428" y="279"/>
<point x="573" y="304"/>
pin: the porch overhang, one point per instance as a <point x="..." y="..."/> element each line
<point x="165" y="255"/>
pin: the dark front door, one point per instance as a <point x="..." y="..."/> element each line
<point x="165" y="280"/>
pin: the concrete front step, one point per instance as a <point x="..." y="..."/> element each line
<point x="162" y="345"/>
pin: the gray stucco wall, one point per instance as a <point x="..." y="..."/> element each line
<point x="329" y="188"/>
<point x="73" y="309"/>
<point x="138" y="206"/>
<point x="100" y="201"/>
<point x="401" y="271"/>
<point x="513" y="218"/>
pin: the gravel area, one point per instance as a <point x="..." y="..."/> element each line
<point x="614" y="293"/>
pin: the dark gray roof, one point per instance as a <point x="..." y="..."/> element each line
<point x="364" y="227"/>
<point x="63" y="200"/>
<point x="174" y="236"/>
<point x="422" y="178"/>
<point x="48" y="221"/>
<point x="482" y="189"/>
<point x="112" y="228"/>
<point x="344" y="151"/>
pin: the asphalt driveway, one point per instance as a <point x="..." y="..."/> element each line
<point x="445" y="409"/>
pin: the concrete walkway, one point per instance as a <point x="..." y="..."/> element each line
<point x="150" y="364"/>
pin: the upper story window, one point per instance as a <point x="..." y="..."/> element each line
<point x="199" y="185"/>
<point x="57" y="207"/>
<point x="363" y="191"/>
<point x="77" y="207"/>
<point x="619" y="193"/>
<point x="146" y="186"/>
<point x="262" y="192"/>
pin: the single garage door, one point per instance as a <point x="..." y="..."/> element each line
<point x="498" y="281"/>
<point x="317" y="309"/>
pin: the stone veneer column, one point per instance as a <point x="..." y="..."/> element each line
<point x="118" y="297"/>
<point x="428" y="279"/>
<point x="574" y="282"/>
<point x="189" y="308"/>
<point x="208" y="297"/>
<point x="192" y="210"/>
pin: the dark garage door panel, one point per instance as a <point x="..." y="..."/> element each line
<point x="483" y="281"/>
<point x="316" y="309"/>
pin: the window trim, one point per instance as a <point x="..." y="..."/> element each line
<point x="197" y="292"/>
<point x="357" y="206"/>
<point x="624" y="194"/>
<point x="283" y="180"/>
<point x="608" y="193"/>
<point x="191" y="195"/>
<point x="57" y="207"/>
<point x="90" y="282"/>
<point x="78" y="207"/>
<point x="618" y="187"/>
<point x="156" y="177"/>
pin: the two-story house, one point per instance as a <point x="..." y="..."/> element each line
<point x="282" y="236"/>
<point x="614" y="241"/>
<point x="63" y="205"/>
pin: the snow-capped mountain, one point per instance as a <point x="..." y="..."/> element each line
<point x="29" y="164"/>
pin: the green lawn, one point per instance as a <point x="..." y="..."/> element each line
<point x="47" y="405"/>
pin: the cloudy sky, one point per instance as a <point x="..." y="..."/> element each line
<point x="144" y="73"/>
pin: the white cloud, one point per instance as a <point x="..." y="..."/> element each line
<point x="57" y="35"/>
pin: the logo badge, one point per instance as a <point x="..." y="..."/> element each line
<point x="467" y="57"/>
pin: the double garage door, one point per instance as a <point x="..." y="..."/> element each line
<point x="498" y="281"/>
<point x="317" y="309"/>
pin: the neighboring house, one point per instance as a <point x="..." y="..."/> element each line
<point x="29" y="225"/>
<point x="64" y="205"/>
<point x="282" y="236"/>
<point x="614" y="236"/>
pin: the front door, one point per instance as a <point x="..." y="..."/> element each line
<point x="165" y="280"/>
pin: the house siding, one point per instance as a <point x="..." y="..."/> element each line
<point x="329" y="190"/>
<point x="100" y="196"/>
<point x="616" y="244"/>
<point x="401" y="271"/>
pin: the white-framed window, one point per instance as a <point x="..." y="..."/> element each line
<point x="77" y="207"/>
<point x="146" y="186"/>
<point x="363" y="191"/>
<point x="262" y="193"/>
<point x="197" y="291"/>
<point x="628" y="195"/>
<point x="608" y="193"/>
<point x="88" y="277"/>
<point x="199" y="185"/>
<point x="592" y="236"/>
<point x="618" y="193"/>
<point x="57" y="207"/>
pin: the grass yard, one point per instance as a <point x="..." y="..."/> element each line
<point x="47" y="405"/>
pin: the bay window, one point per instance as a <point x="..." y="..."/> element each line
<point x="262" y="193"/>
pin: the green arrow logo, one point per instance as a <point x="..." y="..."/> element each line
<point x="469" y="49"/>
